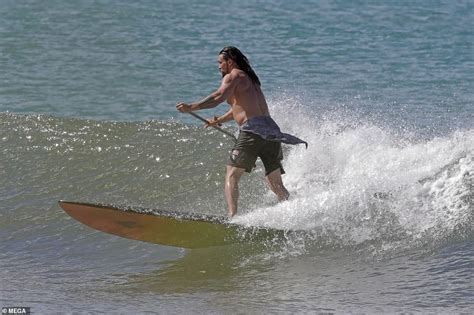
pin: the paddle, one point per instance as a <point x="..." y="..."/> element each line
<point x="215" y="127"/>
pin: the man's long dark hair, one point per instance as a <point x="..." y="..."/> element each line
<point x="231" y="52"/>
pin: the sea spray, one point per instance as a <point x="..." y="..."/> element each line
<point x="359" y="183"/>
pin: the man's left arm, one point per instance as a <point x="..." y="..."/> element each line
<point x="218" y="121"/>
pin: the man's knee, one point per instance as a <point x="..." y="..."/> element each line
<point x="274" y="178"/>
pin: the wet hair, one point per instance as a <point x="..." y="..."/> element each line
<point x="242" y="62"/>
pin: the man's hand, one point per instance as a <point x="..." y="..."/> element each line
<point x="213" y="122"/>
<point x="183" y="107"/>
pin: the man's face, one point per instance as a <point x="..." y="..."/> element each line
<point x="224" y="65"/>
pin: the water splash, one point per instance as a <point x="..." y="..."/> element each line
<point x="360" y="184"/>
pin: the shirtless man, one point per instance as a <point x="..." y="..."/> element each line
<point x="259" y="135"/>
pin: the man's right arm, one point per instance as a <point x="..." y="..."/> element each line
<point x="225" y="90"/>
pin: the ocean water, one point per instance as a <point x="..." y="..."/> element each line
<point x="382" y="198"/>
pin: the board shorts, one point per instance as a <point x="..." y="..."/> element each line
<point x="249" y="147"/>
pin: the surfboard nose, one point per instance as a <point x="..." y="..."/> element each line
<point x="154" y="226"/>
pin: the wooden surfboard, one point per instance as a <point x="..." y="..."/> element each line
<point x="164" y="227"/>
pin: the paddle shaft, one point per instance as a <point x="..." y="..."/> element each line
<point x="215" y="127"/>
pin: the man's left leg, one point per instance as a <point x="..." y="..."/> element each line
<point x="232" y="178"/>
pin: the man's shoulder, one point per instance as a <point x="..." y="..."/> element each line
<point x="235" y="75"/>
<point x="239" y="73"/>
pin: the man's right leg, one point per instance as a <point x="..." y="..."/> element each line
<point x="275" y="183"/>
<point x="232" y="178"/>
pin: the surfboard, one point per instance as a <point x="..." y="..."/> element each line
<point x="187" y="230"/>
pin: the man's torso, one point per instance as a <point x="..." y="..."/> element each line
<point x="248" y="100"/>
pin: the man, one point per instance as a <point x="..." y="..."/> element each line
<point x="259" y="135"/>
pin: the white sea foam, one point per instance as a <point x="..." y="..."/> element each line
<point x="358" y="182"/>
